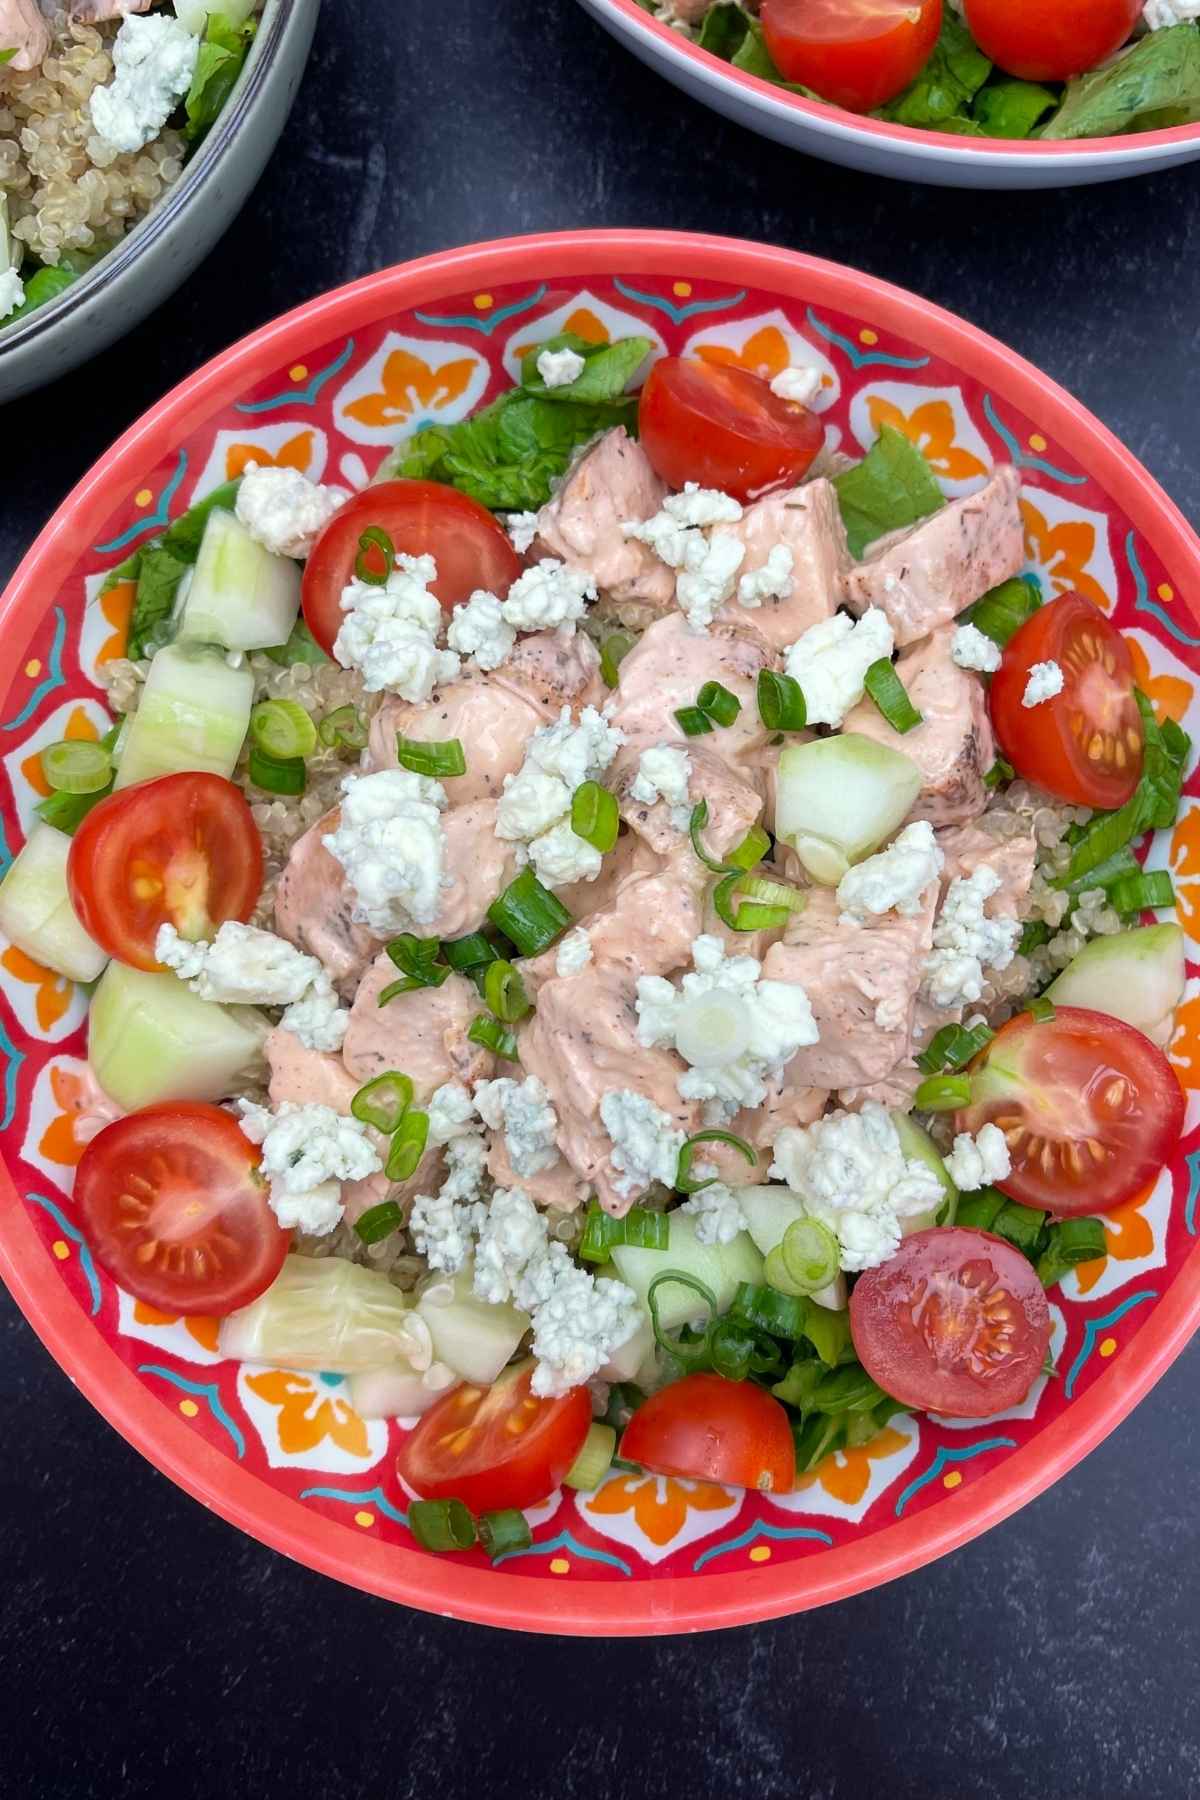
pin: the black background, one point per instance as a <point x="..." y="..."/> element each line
<point x="146" y="1648"/>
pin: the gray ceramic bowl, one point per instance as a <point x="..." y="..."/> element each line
<point x="161" y="252"/>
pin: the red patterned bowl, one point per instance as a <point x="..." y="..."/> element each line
<point x="327" y="389"/>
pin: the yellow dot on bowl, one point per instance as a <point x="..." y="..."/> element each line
<point x="143" y="497"/>
<point x="188" y="1408"/>
<point x="953" y="1479"/>
<point x="33" y="667"/>
<point x="365" y="1519"/>
<point x="761" y="1553"/>
<point x="559" y="1565"/>
<point x="483" y="301"/>
<point x="867" y="336"/>
<point x="1166" y="591"/>
<point x="1108" y="1346"/>
<point x="682" y="289"/>
<point x="1037" y="442"/>
<point x="298" y="372"/>
<point x="61" y="1249"/>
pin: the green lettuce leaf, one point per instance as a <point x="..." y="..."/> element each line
<point x="1155" y="84"/>
<point x="736" y="36"/>
<point x="940" y="97"/>
<point x="182" y="538"/>
<point x="608" y="369"/>
<point x="222" y="52"/>
<point x="892" y="487"/>
<point x="158" y="568"/>
<point x="1010" y="109"/>
<point x="301" y="647"/>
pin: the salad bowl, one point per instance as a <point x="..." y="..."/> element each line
<point x="329" y="389"/>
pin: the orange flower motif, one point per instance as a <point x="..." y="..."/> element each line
<point x="1185" y="1045"/>
<point x="1127" y="1236"/>
<point x="79" y="726"/>
<point x="932" y="428"/>
<point x="1185" y="862"/>
<point x="659" y="1503"/>
<point x="306" y="1416"/>
<point x="80" y="1115"/>
<point x="764" y="353"/>
<point x="1064" y="551"/>
<point x="411" y="385"/>
<point x="582" y="323"/>
<point x="52" y="992"/>
<point x="199" y="1327"/>
<point x="846" y="1474"/>
<point x="1168" y="694"/>
<point x="117" y="607"/>
<point x="295" y="454"/>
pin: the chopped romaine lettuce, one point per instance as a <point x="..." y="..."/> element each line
<point x="1011" y="109"/>
<point x="1155" y="84"/>
<point x="892" y="487"/>
<point x="219" y="63"/>
<point x="607" y="372"/>
<point x="940" y="97"/>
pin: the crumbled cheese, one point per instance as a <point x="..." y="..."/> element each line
<point x="154" y="59"/>
<point x="522" y="1110"/>
<point x="522" y="529"/>
<point x="966" y="941"/>
<point x="830" y="661"/>
<point x="731" y="1026"/>
<point x="574" y="953"/>
<point x="707" y="565"/>
<point x="1044" y="681"/>
<point x="479" y="631"/>
<point x="444" y="1225"/>
<point x="853" y="1176"/>
<point x="512" y="1235"/>
<point x="703" y="587"/>
<point x="316" y="1018"/>
<point x="773" y="581"/>
<point x="1160" y="15"/>
<point x="283" y="510"/>
<point x="558" y="759"/>
<point x="663" y="773"/>
<point x="548" y="595"/>
<point x="717" y="1212"/>
<point x="451" y="1113"/>
<point x="646" y="1144"/>
<point x="560" y="856"/>
<point x="971" y="648"/>
<point x="895" y="879"/>
<point x="976" y="1161"/>
<point x="307" y="1152"/>
<point x="244" y="966"/>
<point x="390" y="842"/>
<point x="800" y="385"/>
<point x="12" y="292"/>
<point x="559" y="368"/>
<point x="390" y="632"/>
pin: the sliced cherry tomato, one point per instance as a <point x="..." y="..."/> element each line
<point x="174" y="1207"/>
<point x="495" y="1447"/>
<point x="1086" y="743"/>
<point x="708" y="1429"/>
<point x="723" y="428"/>
<point x="956" y="1323"/>
<point x="1050" y="40"/>
<point x="183" y="850"/>
<point x="854" y="53"/>
<point x="1090" y="1107"/>
<point x="422" y="518"/>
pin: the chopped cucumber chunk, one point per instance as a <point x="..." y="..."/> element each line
<point x="719" y="1266"/>
<point x="839" y="798"/>
<point x="768" y="1211"/>
<point x="150" y="1038"/>
<point x="471" y="1337"/>
<point x="916" y="1143"/>
<point x="192" y="14"/>
<point x="36" y="912"/>
<point x="398" y="1391"/>
<point x="323" y="1313"/>
<point x="1137" y="976"/>
<point x="240" y="595"/>
<point x="193" y="714"/>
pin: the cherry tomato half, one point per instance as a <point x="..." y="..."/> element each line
<point x="495" y="1447"/>
<point x="183" y="850"/>
<point x="854" y="53"/>
<point x="422" y="518"/>
<point x="956" y="1323"/>
<point x="174" y="1207"/>
<point x="708" y="1429"/>
<point x="1086" y="743"/>
<point x="723" y="428"/>
<point x="1090" y="1107"/>
<point x="1050" y="40"/>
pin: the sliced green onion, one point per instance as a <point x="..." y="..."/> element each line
<point x="749" y="916"/>
<point x="691" y="721"/>
<point x="417" y="957"/>
<point x="374" y="547"/>
<point x="504" y="992"/>
<point x="1021" y="1225"/>
<point x="384" y="1101"/>
<point x="694" y="1354"/>
<point x="1000" y="771"/>
<point x="613" y="651"/>
<point x="766" y="1309"/>
<point x="1041" y="1009"/>
<point x="379" y="1222"/>
<point x="943" y="1093"/>
<point x="1101" y="840"/>
<point x="439" y="760"/>
<point x="408" y="1146"/>
<point x="696" y="824"/>
<point x="890" y="695"/>
<point x="529" y="915"/>
<point x="953" y="1047"/>
<point x="66" y="812"/>
<point x="282" y="730"/>
<point x="490" y="1033"/>
<point x="800" y="1384"/>
<point x="1135" y="893"/>
<point x="642" y="1228"/>
<point x="810" y="1255"/>
<point x="750" y="851"/>
<point x="981" y="1209"/>
<point x="718" y="703"/>
<point x="774" y="893"/>
<point x="467" y="954"/>
<point x="777" y="1274"/>
<point x="1072" y="1241"/>
<point x="500" y="1533"/>
<point x="441" y="1525"/>
<point x="594" y="1459"/>
<point x="731" y="1349"/>
<point x="1001" y="613"/>
<point x="683" y="1174"/>
<point x="275" y="775"/>
<point x="781" y="704"/>
<point x="594" y="816"/>
<point x="77" y="767"/>
<point x="343" y="729"/>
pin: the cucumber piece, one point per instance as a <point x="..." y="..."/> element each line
<point x="1137" y="976"/>
<point x="193" y="14"/>
<point x="768" y="1211"/>
<point x="240" y="596"/>
<point x="839" y="798"/>
<point x="398" y="1391"/>
<point x="322" y="1312"/>
<point x="719" y="1266"/>
<point x="920" y="1146"/>
<point x="150" y="1038"/>
<point x="36" y="912"/>
<point x="627" y="1361"/>
<point x="470" y="1336"/>
<point x="193" y="714"/>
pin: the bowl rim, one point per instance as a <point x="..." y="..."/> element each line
<point x="393" y="1572"/>
<point x="279" y="17"/>
<point x="931" y="146"/>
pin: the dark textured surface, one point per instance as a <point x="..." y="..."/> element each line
<point x="145" y="1647"/>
